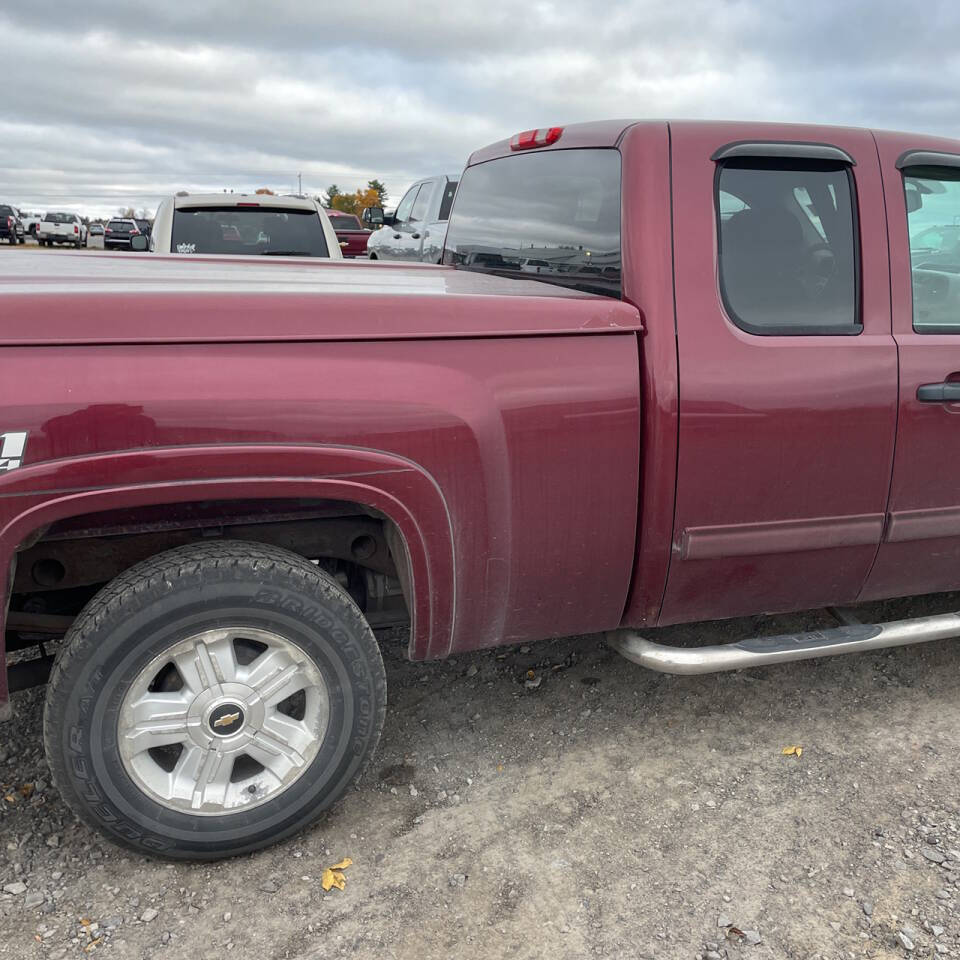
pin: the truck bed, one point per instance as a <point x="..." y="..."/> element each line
<point x="109" y="298"/>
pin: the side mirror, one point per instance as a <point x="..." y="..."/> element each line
<point x="913" y="197"/>
<point x="138" y="243"/>
<point x="373" y="216"/>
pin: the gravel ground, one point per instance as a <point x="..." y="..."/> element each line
<point x="596" y="810"/>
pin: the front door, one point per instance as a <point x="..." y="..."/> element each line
<point x="390" y="246"/>
<point x="410" y="244"/>
<point x="788" y="370"/>
<point x="921" y="551"/>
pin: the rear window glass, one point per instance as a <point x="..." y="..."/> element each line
<point x="5" y="211"/>
<point x="248" y="230"/>
<point x="552" y="216"/>
<point x="345" y="222"/>
<point x="120" y="225"/>
<point x="59" y="218"/>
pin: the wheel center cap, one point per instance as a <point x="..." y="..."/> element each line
<point x="226" y="719"/>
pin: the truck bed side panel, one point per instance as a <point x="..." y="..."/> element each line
<point x="532" y="443"/>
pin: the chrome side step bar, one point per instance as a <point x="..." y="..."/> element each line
<point x="760" y="651"/>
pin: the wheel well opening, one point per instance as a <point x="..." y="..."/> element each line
<point x="60" y="567"/>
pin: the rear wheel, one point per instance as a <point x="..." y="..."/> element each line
<point x="213" y="700"/>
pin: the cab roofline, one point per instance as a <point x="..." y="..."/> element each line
<point x="609" y="133"/>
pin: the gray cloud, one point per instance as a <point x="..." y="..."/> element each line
<point x="107" y="104"/>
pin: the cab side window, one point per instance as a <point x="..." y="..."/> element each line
<point x="788" y="246"/>
<point x="933" y="222"/>
<point x="420" y="205"/>
<point x="406" y="204"/>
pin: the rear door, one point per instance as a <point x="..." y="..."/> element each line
<point x="788" y="370"/>
<point x="921" y="552"/>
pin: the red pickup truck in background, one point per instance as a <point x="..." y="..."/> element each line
<point x="351" y="233"/>
<point x="669" y="372"/>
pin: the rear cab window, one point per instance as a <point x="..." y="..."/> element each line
<point x="345" y="222"/>
<point x="788" y="246"/>
<point x="253" y="230"/>
<point x="933" y="224"/>
<point x="551" y="216"/>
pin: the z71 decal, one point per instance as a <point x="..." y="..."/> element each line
<point x="12" y="446"/>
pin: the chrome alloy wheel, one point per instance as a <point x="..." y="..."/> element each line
<point x="223" y="721"/>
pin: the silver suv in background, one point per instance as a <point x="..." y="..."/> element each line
<point x="416" y="230"/>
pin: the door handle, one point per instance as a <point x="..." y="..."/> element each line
<point x="415" y="236"/>
<point x="946" y="392"/>
<point x="396" y="236"/>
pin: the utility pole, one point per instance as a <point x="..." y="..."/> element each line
<point x="299" y="185"/>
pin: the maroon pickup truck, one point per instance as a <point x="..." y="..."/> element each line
<point x="669" y="372"/>
<point x="351" y="234"/>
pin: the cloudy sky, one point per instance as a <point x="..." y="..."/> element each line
<point x="109" y="104"/>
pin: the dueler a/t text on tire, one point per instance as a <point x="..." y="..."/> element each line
<point x="212" y="700"/>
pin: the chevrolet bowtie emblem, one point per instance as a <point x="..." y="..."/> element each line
<point x="227" y="719"/>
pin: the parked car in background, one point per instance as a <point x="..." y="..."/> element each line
<point x="352" y="235"/>
<point x="95" y="235"/>
<point x="57" y="228"/>
<point x="246" y="225"/>
<point x="416" y="230"/>
<point x="118" y="233"/>
<point x="11" y="226"/>
<point x="30" y="222"/>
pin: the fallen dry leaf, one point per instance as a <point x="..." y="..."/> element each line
<point x="26" y="790"/>
<point x="792" y="751"/>
<point x="334" y="877"/>
<point x="92" y="945"/>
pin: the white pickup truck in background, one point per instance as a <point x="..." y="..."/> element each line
<point x="418" y="227"/>
<point x="61" y="228"/>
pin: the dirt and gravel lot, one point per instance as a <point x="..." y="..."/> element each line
<point x="606" y="812"/>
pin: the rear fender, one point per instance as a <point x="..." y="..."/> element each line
<point x="37" y="495"/>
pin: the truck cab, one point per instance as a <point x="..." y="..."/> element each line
<point x="415" y="231"/>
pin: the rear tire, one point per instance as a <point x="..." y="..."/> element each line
<point x="163" y="724"/>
